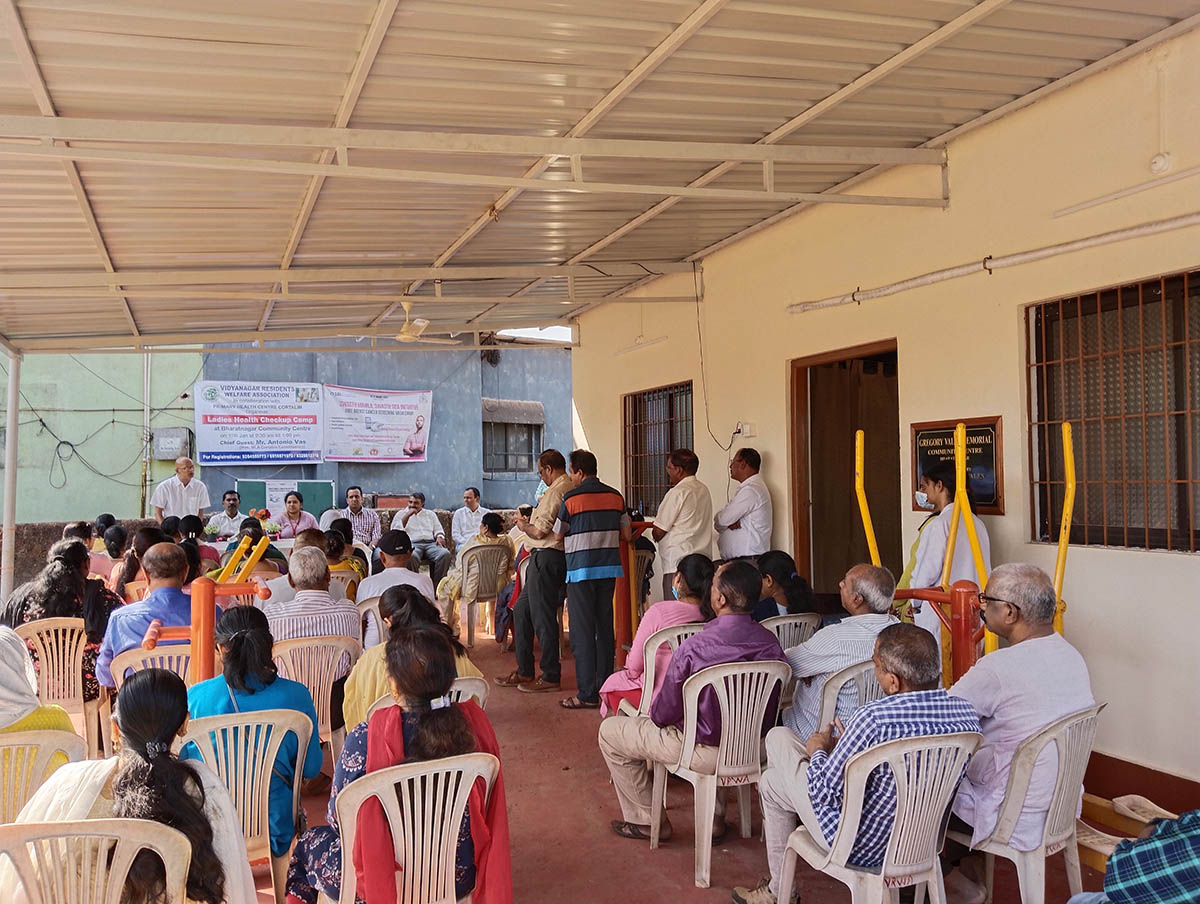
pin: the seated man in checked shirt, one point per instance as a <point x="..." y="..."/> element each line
<point x="795" y="789"/>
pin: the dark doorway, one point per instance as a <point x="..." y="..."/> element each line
<point x="833" y="395"/>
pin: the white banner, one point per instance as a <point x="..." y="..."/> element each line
<point x="376" y="424"/>
<point x="258" y="423"/>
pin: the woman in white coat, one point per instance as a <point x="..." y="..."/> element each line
<point x="146" y="781"/>
<point x="936" y="491"/>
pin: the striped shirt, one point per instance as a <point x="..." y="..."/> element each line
<point x="365" y="525"/>
<point x="1161" y="869"/>
<point x="590" y="521"/>
<point x="906" y="715"/>
<point x="314" y="613"/>
<point x="837" y="647"/>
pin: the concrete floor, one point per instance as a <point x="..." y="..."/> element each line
<point x="560" y="803"/>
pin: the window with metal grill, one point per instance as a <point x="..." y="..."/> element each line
<point x="1123" y="366"/>
<point x="656" y="421"/>
<point x="510" y="448"/>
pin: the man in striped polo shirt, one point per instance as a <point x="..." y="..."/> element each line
<point x="591" y="523"/>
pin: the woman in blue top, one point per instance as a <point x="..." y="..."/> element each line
<point x="250" y="684"/>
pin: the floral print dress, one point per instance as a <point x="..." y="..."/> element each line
<point x="316" y="865"/>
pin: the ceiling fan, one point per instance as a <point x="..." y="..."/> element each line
<point x="413" y="328"/>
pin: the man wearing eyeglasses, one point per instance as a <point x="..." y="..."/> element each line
<point x="1033" y="681"/>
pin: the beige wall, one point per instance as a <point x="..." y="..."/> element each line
<point x="1133" y="614"/>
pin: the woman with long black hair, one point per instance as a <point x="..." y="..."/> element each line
<point x="146" y="781"/>
<point x="784" y="592"/>
<point x="62" y="589"/>
<point x="130" y="568"/>
<point x="423" y="725"/>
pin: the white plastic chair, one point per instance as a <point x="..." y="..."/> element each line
<point x="241" y="748"/>
<point x="484" y="565"/>
<point x="370" y="607"/>
<point x="462" y="687"/>
<point x="343" y="578"/>
<point x="470" y="686"/>
<point x="1072" y="737"/>
<point x="424" y="805"/>
<point x="927" y="771"/>
<point x="87" y="861"/>
<point x="175" y="657"/>
<point x="59" y="644"/>
<point x="856" y="679"/>
<point x="743" y="691"/>
<point x="314" y="661"/>
<point x="25" y="763"/>
<point x="793" y="630"/>
<point x="672" y="637"/>
<point x="642" y="560"/>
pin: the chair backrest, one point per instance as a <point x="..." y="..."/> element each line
<point x="486" y="564"/>
<point x="793" y="630"/>
<point x="927" y="770"/>
<point x="313" y="661"/>
<point x="59" y="644"/>
<point x="522" y="568"/>
<point x="424" y="804"/>
<point x="672" y="637"/>
<point x="344" y="578"/>
<point x="87" y="861"/>
<point x="854" y="686"/>
<point x="1072" y="737"/>
<point x="642" y="560"/>
<point x="470" y="686"/>
<point x="380" y="703"/>
<point x="743" y="691"/>
<point x="175" y="657"/>
<point x="25" y="763"/>
<point x="136" y="590"/>
<point x="241" y="748"/>
<point x="371" y="606"/>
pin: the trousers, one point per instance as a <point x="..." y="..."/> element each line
<point x="438" y="557"/>
<point x="783" y="791"/>
<point x="536" y="609"/>
<point x="627" y="743"/>
<point x="590" y="605"/>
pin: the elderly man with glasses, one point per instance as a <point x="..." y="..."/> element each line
<point x="1035" y="679"/>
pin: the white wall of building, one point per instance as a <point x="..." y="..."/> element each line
<point x="961" y="347"/>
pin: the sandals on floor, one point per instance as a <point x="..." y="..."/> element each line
<point x="640" y="833"/>
<point x="576" y="703"/>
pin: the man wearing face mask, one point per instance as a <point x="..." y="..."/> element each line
<point x="936" y="491"/>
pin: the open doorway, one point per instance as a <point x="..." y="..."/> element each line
<point x="833" y="395"/>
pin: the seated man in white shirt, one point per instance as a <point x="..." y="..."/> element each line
<point x="428" y="539"/>
<point x="1033" y="681"/>
<point x="467" y="519"/>
<point x="866" y="592"/>
<point x="312" y="612"/>
<point x="229" y="520"/>
<point x="744" y="524"/>
<point x="281" y="588"/>
<point x="396" y="551"/>
<point x="683" y="523"/>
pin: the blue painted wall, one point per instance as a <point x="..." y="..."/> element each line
<point x="458" y="379"/>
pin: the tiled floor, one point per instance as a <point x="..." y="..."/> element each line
<point x="560" y="803"/>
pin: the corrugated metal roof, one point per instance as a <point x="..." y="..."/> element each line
<point x="826" y="73"/>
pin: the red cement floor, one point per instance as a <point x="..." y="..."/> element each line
<point x="560" y="803"/>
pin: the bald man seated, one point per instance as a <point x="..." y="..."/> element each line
<point x="166" y="568"/>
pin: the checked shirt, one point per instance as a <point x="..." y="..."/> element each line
<point x="907" y="715"/>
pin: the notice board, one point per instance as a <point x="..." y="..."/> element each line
<point x="318" y="495"/>
<point x="934" y="440"/>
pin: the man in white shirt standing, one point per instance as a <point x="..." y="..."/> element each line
<point x="467" y="519"/>
<point x="428" y="539"/>
<point x="744" y="524"/>
<point x="683" y="524"/>
<point x="182" y="494"/>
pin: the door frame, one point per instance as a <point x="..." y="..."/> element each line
<point x="798" y="413"/>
